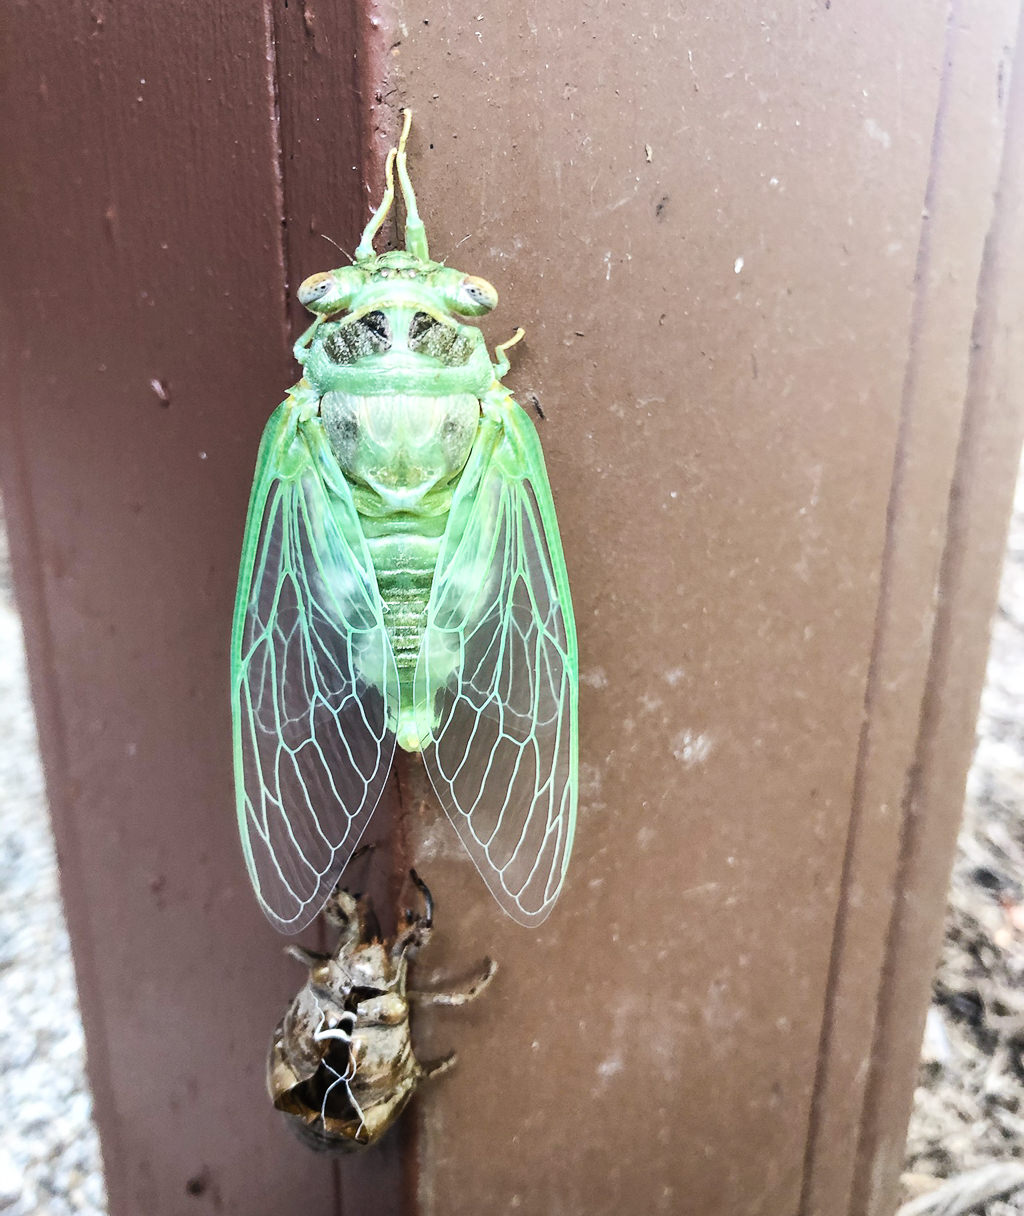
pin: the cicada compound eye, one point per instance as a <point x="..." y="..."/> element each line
<point x="331" y="290"/>
<point x="476" y="296"/>
<point x="466" y="294"/>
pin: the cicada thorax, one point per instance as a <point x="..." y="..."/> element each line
<point x="402" y="448"/>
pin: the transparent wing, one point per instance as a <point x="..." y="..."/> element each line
<point x="498" y="673"/>
<point x="314" y="683"/>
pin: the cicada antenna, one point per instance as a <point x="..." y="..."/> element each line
<point x="364" y="250"/>
<point x="415" y="233"/>
<point x="337" y="246"/>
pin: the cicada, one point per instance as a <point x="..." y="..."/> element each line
<point x="341" y="1063"/>
<point x="402" y="585"/>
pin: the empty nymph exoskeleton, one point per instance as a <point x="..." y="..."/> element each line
<point x="341" y="1065"/>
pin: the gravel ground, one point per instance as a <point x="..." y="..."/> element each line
<point x="969" y="1104"/>
<point x="49" y="1152"/>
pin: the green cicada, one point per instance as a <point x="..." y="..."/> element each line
<point x="402" y="582"/>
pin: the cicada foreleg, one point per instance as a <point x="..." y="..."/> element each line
<point x="301" y="348"/>
<point x="416" y="926"/>
<point x="502" y="364"/>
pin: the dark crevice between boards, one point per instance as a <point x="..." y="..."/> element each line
<point x="408" y="1127"/>
<point x="270" y="33"/>
<point x="385" y="1180"/>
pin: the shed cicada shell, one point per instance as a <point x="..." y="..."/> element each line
<point x="341" y="1065"/>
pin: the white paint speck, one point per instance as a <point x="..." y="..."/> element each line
<point x="646" y="838"/>
<point x="595" y="677"/>
<point x="877" y="133"/>
<point x="436" y="842"/>
<point x="691" y="748"/>
<point x="737" y="266"/>
<point x="674" y="676"/>
<point x="705" y="888"/>
<point x="608" y="1068"/>
<point x="590" y="786"/>
<point x="628" y="198"/>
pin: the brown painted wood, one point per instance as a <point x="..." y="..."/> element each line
<point x="753" y="352"/>
<point x="979" y="503"/>
<point x="146" y="341"/>
<point x="769" y="271"/>
<point x="937" y="401"/>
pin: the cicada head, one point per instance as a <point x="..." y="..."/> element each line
<point x="393" y="319"/>
<point x="462" y="294"/>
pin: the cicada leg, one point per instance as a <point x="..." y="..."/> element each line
<point x="460" y="996"/>
<point x="301" y="348"/>
<point x="308" y="958"/>
<point x="502" y="365"/>
<point x="416" y="926"/>
<point x="437" y="1068"/>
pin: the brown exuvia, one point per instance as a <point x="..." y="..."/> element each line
<point x="341" y="1064"/>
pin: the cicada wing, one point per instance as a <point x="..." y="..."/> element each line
<point x="314" y="682"/>
<point x="497" y="677"/>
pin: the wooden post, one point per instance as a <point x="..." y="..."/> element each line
<point x="769" y="266"/>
